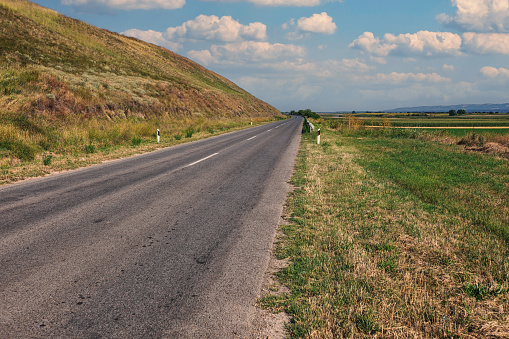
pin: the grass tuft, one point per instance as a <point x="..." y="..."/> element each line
<point x="366" y="323"/>
<point x="89" y="149"/>
<point x="47" y="159"/>
<point x="189" y="132"/>
<point x="136" y="141"/>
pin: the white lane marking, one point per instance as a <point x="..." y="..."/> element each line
<point x="197" y="162"/>
<point x="251" y="138"/>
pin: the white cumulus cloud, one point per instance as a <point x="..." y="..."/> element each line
<point x="374" y="46"/>
<point x="224" y="29"/>
<point x="317" y="23"/>
<point x="203" y="57"/>
<point x="446" y="67"/>
<point x="492" y="72"/>
<point x="128" y="4"/>
<point x="153" y="37"/>
<point x="204" y="28"/>
<point x="326" y="69"/>
<point x="479" y="15"/>
<point x="282" y="3"/>
<point x="487" y="43"/>
<point x="395" y="78"/>
<point x="247" y="52"/>
<point x="424" y="43"/>
<point x="296" y="3"/>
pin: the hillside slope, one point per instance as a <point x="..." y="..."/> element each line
<point x="54" y="65"/>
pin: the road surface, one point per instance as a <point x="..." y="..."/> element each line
<point x="169" y="244"/>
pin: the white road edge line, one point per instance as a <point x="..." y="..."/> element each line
<point x="197" y="162"/>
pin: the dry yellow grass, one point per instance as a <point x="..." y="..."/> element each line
<point x="371" y="259"/>
<point x="70" y="153"/>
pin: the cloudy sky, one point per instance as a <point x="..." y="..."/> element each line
<point x="328" y="55"/>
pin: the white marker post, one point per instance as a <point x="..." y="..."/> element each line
<point x="158" y="136"/>
<point x="251" y="122"/>
<point x="318" y="137"/>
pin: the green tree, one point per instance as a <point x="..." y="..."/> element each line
<point x="452" y="112"/>
<point x="308" y="113"/>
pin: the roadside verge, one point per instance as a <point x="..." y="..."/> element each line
<point x="394" y="237"/>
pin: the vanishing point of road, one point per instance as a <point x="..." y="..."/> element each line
<point x="168" y="244"/>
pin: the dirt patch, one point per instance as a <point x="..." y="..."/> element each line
<point x="491" y="148"/>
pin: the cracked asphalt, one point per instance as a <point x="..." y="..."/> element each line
<point x="169" y="244"/>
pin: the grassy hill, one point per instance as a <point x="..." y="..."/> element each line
<point x="53" y="64"/>
<point x="71" y="89"/>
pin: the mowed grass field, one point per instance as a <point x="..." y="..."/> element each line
<point x="473" y="121"/>
<point x="461" y="132"/>
<point x="394" y="235"/>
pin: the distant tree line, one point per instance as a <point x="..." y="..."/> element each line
<point x="453" y="112"/>
<point x="306" y="113"/>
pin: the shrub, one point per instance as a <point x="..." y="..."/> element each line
<point x="480" y="291"/>
<point x="136" y="141"/>
<point x="306" y="128"/>
<point x="353" y="122"/>
<point x="502" y="139"/>
<point x="89" y="149"/>
<point x="366" y="323"/>
<point x="333" y="123"/>
<point x="46" y="160"/>
<point x="178" y="136"/>
<point x="472" y="139"/>
<point x="189" y="132"/>
<point x="24" y="152"/>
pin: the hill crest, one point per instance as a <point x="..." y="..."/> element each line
<point x="56" y="65"/>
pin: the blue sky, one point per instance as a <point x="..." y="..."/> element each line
<point x="328" y="55"/>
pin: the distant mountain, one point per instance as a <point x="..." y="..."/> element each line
<point x="501" y="108"/>
<point x="57" y="66"/>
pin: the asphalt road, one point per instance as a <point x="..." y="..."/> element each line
<point x="169" y="244"/>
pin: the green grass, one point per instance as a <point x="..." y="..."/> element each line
<point x="391" y="235"/>
<point x="465" y="121"/>
<point x="432" y="120"/>
<point x="465" y="131"/>
<point x="46" y="160"/>
<point x="189" y="132"/>
<point x="26" y="141"/>
<point x="473" y="185"/>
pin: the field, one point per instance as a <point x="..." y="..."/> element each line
<point x="395" y="233"/>
<point x="472" y="121"/>
<point x="461" y="132"/>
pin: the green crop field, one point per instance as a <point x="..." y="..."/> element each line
<point x="461" y="132"/>
<point x="429" y="120"/>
